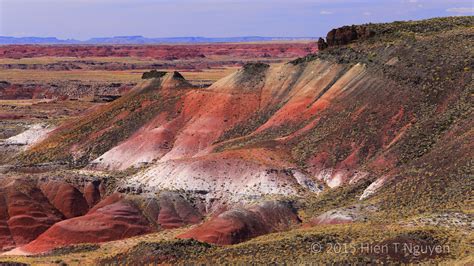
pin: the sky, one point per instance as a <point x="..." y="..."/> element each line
<point x="83" y="19"/>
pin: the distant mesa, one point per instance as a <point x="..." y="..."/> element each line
<point x="145" y="40"/>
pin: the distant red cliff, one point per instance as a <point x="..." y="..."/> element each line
<point x="164" y="52"/>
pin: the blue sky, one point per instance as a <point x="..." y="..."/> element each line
<point x="83" y="19"/>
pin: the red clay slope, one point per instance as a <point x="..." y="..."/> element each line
<point x="38" y="227"/>
<point x="25" y="213"/>
<point x="240" y="224"/>
<point x="195" y="122"/>
<point x="218" y="113"/>
<point x="166" y="120"/>
<point x="117" y="220"/>
<point x="103" y="128"/>
<point x="176" y="212"/>
<point x="66" y="198"/>
<point x="29" y="207"/>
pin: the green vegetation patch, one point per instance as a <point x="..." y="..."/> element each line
<point x="340" y="244"/>
<point x="152" y="253"/>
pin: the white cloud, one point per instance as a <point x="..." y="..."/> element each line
<point x="461" y="10"/>
<point x="325" y="12"/>
<point x="367" y="13"/>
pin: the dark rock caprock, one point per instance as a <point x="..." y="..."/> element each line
<point x="347" y="34"/>
<point x="322" y="44"/>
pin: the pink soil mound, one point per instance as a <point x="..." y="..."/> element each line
<point x="66" y="198"/>
<point x="111" y="222"/>
<point x="175" y="211"/>
<point x="238" y="225"/>
<point x="115" y="197"/>
<point x="25" y="213"/>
